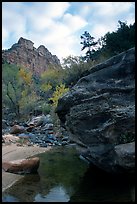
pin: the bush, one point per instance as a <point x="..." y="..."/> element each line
<point x="60" y="90"/>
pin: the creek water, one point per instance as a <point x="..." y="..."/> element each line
<point x="63" y="177"/>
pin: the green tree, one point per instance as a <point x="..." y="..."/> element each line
<point x="49" y="80"/>
<point x="89" y="43"/>
<point x="11" y="87"/>
<point x="18" y="93"/>
<point x="74" y="68"/>
<point x="120" y="40"/>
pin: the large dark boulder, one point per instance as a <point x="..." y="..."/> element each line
<point x="99" y="113"/>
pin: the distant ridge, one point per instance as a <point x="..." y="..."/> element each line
<point x="25" y="54"/>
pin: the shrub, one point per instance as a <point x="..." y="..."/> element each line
<point x="60" y="90"/>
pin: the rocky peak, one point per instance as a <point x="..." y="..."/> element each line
<point x="26" y="43"/>
<point x="25" y="54"/>
<point x="43" y="50"/>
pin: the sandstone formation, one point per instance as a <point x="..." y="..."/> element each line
<point x="99" y="113"/>
<point x="22" y="166"/>
<point x="25" y="54"/>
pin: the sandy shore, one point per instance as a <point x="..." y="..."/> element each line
<point x="13" y="152"/>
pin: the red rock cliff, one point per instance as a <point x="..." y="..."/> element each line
<point x="25" y="54"/>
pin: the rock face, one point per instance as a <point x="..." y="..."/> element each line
<point x="99" y="113"/>
<point x="25" y="54"/>
<point x="22" y="166"/>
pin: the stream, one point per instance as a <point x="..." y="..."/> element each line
<point x="63" y="177"/>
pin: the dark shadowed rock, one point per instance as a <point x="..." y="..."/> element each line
<point x="99" y="113"/>
<point x="125" y="155"/>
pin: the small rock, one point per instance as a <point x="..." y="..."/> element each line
<point x="17" y="129"/>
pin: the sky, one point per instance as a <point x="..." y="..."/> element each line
<point x="59" y="25"/>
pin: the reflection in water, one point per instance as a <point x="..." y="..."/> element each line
<point x="64" y="177"/>
<point x="59" y="173"/>
<point x="56" y="194"/>
<point x="99" y="186"/>
<point x="9" y="198"/>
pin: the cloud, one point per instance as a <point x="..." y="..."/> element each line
<point x="74" y="22"/>
<point x="50" y="9"/>
<point x="13" y="23"/>
<point x="58" y="25"/>
<point x="104" y="16"/>
<point x="112" y="8"/>
<point x="47" y="23"/>
<point x="101" y="30"/>
<point x="43" y="15"/>
<point x="62" y="42"/>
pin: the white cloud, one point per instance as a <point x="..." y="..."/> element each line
<point x="101" y="30"/>
<point x="104" y="16"/>
<point x="131" y="18"/>
<point x="112" y="8"/>
<point x="58" y="25"/>
<point x="43" y="15"/>
<point x="13" y="23"/>
<point x="86" y="9"/>
<point x="74" y="22"/>
<point x="62" y="42"/>
<point x="4" y="37"/>
<point x="56" y="9"/>
<point x="49" y="24"/>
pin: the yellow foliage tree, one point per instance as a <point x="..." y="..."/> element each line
<point x="26" y="76"/>
<point x="60" y="90"/>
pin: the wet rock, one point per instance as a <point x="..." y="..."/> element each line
<point x="48" y="126"/>
<point x="40" y="120"/>
<point x="30" y="128"/>
<point x="64" y="143"/>
<point x="57" y="143"/>
<point x="65" y="138"/>
<point x="43" y="145"/>
<point x="51" y="136"/>
<point x="125" y="156"/>
<point x="23" y="135"/>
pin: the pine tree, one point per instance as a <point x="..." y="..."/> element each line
<point x="89" y="43"/>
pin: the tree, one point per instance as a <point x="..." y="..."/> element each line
<point x="60" y="90"/>
<point x="10" y="87"/>
<point x="89" y="43"/>
<point x="73" y="67"/>
<point x="18" y="93"/>
<point x="120" y="40"/>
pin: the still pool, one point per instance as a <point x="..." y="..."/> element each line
<point x="64" y="177"/>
